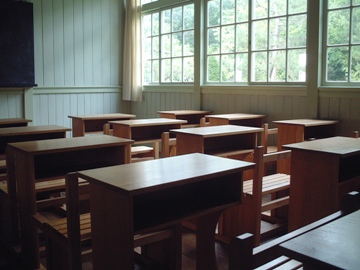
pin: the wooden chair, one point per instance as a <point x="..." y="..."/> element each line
<point x="267" y="133"/>
<point x="138" y="152"/>
<point x="203" y="122"/>
<point x="68" y="239"/>
<point x="168" y="145"/>
<point x="243" y="256"/>
<point x="355" y="134"/>
<point x="248" y="216"/>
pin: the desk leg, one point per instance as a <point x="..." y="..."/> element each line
<point x="205" y="241"/>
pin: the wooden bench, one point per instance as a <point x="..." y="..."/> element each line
<point x="248" y="216"/>
<point x="243" y="256"/>
<point x="69" y="248"/>
<point x="138" y="152"/>
<point x="265" y="138"/>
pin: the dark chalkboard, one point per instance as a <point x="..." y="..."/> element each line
<point x="16" y="44"/>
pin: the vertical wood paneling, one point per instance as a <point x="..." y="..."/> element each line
<point x="116" y="12"/>
<point x="69" y="43"/>
<point x="78" y="43"/>
<point x="97" y="41"/>
<point x="58" y="33"/>
<point x="105" y="42"/>
<point x="88" y="42"/>
<point x="48" y="43"/>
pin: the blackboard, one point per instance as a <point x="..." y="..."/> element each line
<point x="16" y="44"/>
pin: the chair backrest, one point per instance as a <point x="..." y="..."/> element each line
<point x="355" y="134"/>
<point x="107" y="130"/>
<point x="168" y="145"/>
<point x="266" y="135"/>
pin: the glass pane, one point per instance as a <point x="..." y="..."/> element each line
<point x="146" y="25"/>
<point x="155" y="47"/>
<point x="165" y="46"/>
<point x="338" y="27"/>
<point x="297" y="6"/>
<point x="213" y="69"/>
<point x="337" y="64"/>
<point x="297" y="31"/>
<point x="259" y="67"/>
<point x="355" y="64"/>
<point x="177" y="44"/>
<point x="147" y="48"/>
<point x="228" y="39"/>
<point x="177" y="70"/>
<point x="356" y="2"/>
<point x="260" y="30"/>
<point x="189" y="43"/>
<point x="155" y="71"/>
<point x="338" y="3"/>
<point x="227" y="68"/>
<point x="177" y="19"/>
<point x="355" y="32"/>
<point x="166" y="21"/>
<point x="242" y="10"/>
<point x="277" y="33"/>
<point x="155" y="24"/>
<point x="213" y="12"/>
<point x="242" y="37"/>
<point x="166" y="70"/>
<point x="260" y="9"/>
<point x="228" y="11"/>
<point x="277" y="8"/>
<point x="241" y="72"/>
<point x="277" y="66"/>
<point x="296" y="66"/>
<point x="189" y="17"/>
<point x="147" y="72"/>
<point x="188" y="69"/>
<point x="213" y="40"/>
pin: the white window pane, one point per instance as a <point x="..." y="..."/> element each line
<point x="296" y="66"/>
<point x="155" y="71"/>
<point x="260" y="9"/>
<point x="338" y="3"/>
<point x="177" y="70"/>
<point x="277" y="8"/>
<point x="297" y="31"/>
<point x="177" y="44"/>
<point x="277" y="33"/>
<point x="188" y="43"/>
<point x="166" y="46"/>
<point x="228" y="39"/>
<point x="338" y="27"/>
<point x="189" y="17"/>
<point x="228" y="11"/>
<point x="356" y="2"/>
<point x="166" y="70"/>
<point x="355" y="33"/>
<point x="242" y="37"/>
<point x="228" y="68"/>
<point x="297" y="6"/>
<point x="277" y="66"/>
<point x="213" y="40"/>
<point x="355" y="64"/>
<point x="155" y="24"/>
<point x="147" y="71"/>
<point x="188" y="69"/>
<point x="166" y="21"/>
<point x="177" y="19"/>
<point x="213" y="68"/>
<point x="337" y="64"/>
<point x="155" y="47"/>
<point x="147" y="48"/>
<point x="242" y="10"/>
<point x="241" y="72"/>
<point x="146" y="25"/>
<point x="259" y="67"/>
<point x="260" y="29"/>
<point x="213" y="13"/>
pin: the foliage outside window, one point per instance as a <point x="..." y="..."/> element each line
<point x="276" y="51"/>
<point x="343" y="41"/>
<point x="168" y="45"/>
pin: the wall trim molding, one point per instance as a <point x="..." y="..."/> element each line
<point x="76" y="90"/>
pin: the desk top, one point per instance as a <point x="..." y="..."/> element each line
<point x="307" y="122"/>
<point x="154" y="175"/>
<point x="335" y="244"/>
<point x="217" y="131"/>
<point x="69" y="144"/>
<point x="7" y="121"/>
<point x="148" y="122"/>
<point x="27" y="130"/>
<point x="236" y="116"/>
<point x="110" y="116"/>
<point x="342" y="146"/>
<point x="185" y="112"/>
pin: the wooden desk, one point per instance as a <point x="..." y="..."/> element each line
<point x="29" y="162"/>
<point x="82" y="124"/>
<point x="191" y="116"/>
<point x="14" y="122"/>
<point x="158" y="193"/>
<point x="32" y="133"/>
<point x="225" y="140"/>
<point x="322" y="171"/>
<point x="145" y="130"/>
<point x="240" y="119"/>
<point x="331" y="246"/>
<point x="299" y="130"/>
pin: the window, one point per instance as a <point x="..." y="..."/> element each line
<point x="342" y="55"/>
<point x="276" y="51"/>
<point x="143" y="2"/>
<point x="168" y="45"/>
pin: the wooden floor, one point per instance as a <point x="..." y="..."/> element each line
<point x="9" y="262"/>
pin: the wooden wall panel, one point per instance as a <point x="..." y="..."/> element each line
<point x="11" y="104"/>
